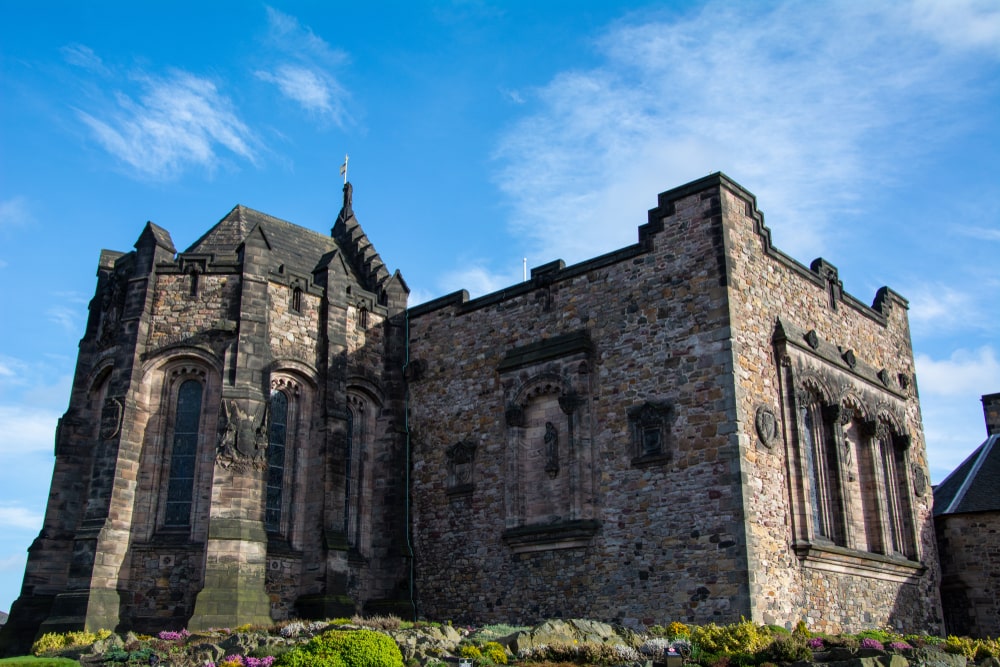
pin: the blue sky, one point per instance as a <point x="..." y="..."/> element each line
<point x="481" y="133"/>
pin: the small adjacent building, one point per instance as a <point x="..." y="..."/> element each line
<point x="967" y="519"/>
<point x="696" y="427"/>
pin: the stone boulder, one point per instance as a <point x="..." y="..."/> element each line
<point x="426" y="642"/>
<point x="567" y="632"/>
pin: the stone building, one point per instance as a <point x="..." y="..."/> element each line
<point x="967" y="519"/>
<point x="695" y="427"/>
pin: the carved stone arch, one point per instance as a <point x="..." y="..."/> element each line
<point x="363" y="411"/>
<point x="853" y="408"/>
<point x="811" y="384"/>
<point x="305" y="374"/>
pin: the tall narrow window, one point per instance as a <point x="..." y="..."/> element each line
<point x="276" y="461"/>
<point x="349" y="455"/>
<point x="297" y="299"/>
<point x="180" y="488"/>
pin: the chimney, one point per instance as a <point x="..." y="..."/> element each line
<point x="991" y="410"/>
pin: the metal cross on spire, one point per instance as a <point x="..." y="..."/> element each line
<point x="343" y="169"/>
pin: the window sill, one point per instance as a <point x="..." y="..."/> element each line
<point x="548" y="537"/>
<point x="841" y="560"/>
<point x="648" y="460"/>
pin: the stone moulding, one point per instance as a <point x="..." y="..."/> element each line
<point x="841" y="560"/>
<point x="549" y="348"/>
<point x="789" y="334"/>
<point x="548" y="537"/>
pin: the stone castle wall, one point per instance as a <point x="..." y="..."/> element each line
<point x="698" y="305"/>
<point x="970" y="557"/>
<point x="766" y="287"/>
<point x="667" y="528"/>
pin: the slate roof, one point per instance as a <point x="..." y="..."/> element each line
<point x="974" y="486"/>
<point x="297" y="248"/>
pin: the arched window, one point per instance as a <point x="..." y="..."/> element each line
<point x="183" y="455"/>
<point x="822" y="462"/>
<point x="276" y="461"/>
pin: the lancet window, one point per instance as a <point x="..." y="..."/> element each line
<point x="183" y="454"/>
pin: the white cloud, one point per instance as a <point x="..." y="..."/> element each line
<point x="26" y="429"/>
<point x="964" y="373"/>
<point x="307" y="80"/>
<point x="478" y="280"/>
<point x="179" y="120"/>
<point x="14" y="211"/>
<point x="950" y="393"/>
<point x="16" y="517"/>
<point x="13" y="563"/>
<point x="804" y="103"/>
<point x="960" y="24"/>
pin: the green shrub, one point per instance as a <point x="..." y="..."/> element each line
<point x="470" y="651"/>
<point x="345" y="648"/>
<point x="495" y="653"/>
<point x="786" y="648"/>
<point x="31" y="661"/>
<point x="744" y="637"/>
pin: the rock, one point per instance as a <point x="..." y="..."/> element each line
<point x="933" y="657"/>
<point x="566" y="632"/>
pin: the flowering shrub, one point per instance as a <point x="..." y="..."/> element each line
<point x="241" y="661"/>
<point x="170" y="635"/>
<point x="816" y="644"/>
<point x="899" y="646"/>
<point x="54" y="641"/>
<point x="868" y="642"/>
<point x="588" y="653"/>
<point x="495" y="653"/>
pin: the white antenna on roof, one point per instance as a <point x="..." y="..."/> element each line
<point x="343" y="169"/>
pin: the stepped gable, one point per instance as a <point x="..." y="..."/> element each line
<point x="358" y="250"/>
<point x="296" y="248"/>
<point x="972" y="487"/>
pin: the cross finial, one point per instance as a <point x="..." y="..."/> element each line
<point x="343" y="169"/>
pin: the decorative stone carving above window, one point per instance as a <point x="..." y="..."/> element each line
<point x="461" y="458"/>
<point x="649" y="424"/>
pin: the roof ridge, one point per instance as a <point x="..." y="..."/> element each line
<point x="984" y="451"/>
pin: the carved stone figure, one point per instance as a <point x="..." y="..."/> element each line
<point x="245" y="438"/>
<point x="551" y="449"/>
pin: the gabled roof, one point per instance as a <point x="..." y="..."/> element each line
<point x="974" y="486"/>
<point x="297" y="248"/>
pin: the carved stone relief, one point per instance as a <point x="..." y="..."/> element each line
<point x="767" y="426"/>
<point x="243" y="444"/>
<point x="111" y="417"/>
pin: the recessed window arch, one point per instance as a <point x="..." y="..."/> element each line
<point x="288" y="433"/>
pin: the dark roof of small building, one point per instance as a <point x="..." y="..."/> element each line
<point x="974" y="486"/>
<point x="297" y="248"/>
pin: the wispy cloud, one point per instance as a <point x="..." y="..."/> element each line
<point x="19" y="518"/>
<point x="306" y="76"/>
<point x="83" y="56"/>
<point x="65" y="317"/>
<point x="806" y="103"/>
<point x="26" y="429"/>
<point x="981" y="233"/>
<point x="939" y="309"/>
<point x="177" y="121"/>
<point x="14" y="211"/>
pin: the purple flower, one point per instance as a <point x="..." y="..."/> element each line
<point x="868" y="642"/>
<point x="815" y="643"/>
<point x="899" y="646"/>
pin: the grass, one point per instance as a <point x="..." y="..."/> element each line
<point x="32" y="661"/>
